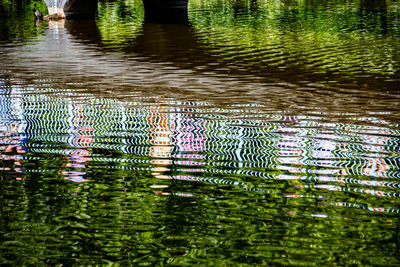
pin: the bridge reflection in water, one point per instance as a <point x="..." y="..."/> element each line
<point x="286" y="156"/>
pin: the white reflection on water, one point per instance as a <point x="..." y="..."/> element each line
<point x="194" y="143"/>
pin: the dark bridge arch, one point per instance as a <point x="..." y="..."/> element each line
<point x="162" y="11"/>
<point x="174" y="11"/>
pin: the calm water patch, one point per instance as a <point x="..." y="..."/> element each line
<point x="262" y="133"/>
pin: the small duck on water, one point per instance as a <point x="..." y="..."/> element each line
<point x="38" y="14"/>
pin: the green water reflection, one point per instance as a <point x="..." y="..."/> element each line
<point x="332" y="37"/>
<point x="140" y="182"/>
<point x="120" y="22"/>
<point x="114" y="148"/>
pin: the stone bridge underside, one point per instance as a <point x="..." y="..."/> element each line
<point x="163" y="11"/>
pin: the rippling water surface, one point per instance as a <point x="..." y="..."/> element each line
<point x="261" y="133"/>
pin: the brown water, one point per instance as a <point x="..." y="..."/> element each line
<point x="260" y="133"/>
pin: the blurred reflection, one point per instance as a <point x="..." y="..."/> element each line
<point x="161" y="144"/>
<point x="186" y="145"/>
<point x="201" y="157"/>
<point x="56" y="24"/>
<point x="80" y="137"/>
<point x="119" y="23"/>
<point x="300" y="39"/>
<point x="12" y="130"/>
<point x="169" y="130"/>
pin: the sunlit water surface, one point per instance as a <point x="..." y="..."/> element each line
<point x="258" y="134"/>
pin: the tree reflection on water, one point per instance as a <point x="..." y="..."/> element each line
<point x="263" y="133"/>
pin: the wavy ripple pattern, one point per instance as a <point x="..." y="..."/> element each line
<point x="262" y="133"/>
<point x="286" y="156"/>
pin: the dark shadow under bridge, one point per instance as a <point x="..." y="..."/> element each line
<point x="160" y="11"/>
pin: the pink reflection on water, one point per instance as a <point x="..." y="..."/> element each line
<point x="169" y="131"/>
<point x="76" y="160"/>
<point x="81" y="139"/>
<point x="12" y="131"/>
